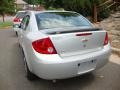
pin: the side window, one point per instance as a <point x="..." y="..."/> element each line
<point x="22" y="23"/>
<point x="25" y="22"/>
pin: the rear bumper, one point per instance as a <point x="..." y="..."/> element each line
<point x="15" y="29"/>
<point x="55" y="67"/>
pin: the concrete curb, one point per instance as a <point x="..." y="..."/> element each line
<point x="9" y="27"/>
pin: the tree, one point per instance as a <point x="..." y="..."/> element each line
<point x="85" y="7"/>
<point x="6" y="7"/>
<point x="94" y="4"/>
<point x="81" y="6"/>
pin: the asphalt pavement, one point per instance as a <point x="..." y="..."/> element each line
<point x="12" y="73"/>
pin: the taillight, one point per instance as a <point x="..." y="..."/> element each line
<point x="106" y="39"/>
<point x="16" y="20"/>
<point x="44" y="46"/>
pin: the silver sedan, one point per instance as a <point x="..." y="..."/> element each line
<point x="61" y="44"/>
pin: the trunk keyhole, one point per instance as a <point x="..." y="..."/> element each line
<point x="78" y="64"/>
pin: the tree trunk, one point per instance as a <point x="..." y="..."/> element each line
<point x="3" y="16"/>
<point x="94" y="12"/>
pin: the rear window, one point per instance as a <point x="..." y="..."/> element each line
<point x="20" y="14"/>
<point x="49" y="20"/>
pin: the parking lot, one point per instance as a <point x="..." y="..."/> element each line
<point x="12" y="74"/>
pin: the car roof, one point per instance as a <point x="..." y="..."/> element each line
<point x="35" y="12"/>
<point x="21" y="11"/>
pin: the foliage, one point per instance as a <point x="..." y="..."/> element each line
<point x="34" y="2"/>
<point x="85" y="7"/>
<point x="104" y="13"/>
<point x="6" y="7"/>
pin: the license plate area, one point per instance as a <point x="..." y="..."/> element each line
<point x="86" y="66"/>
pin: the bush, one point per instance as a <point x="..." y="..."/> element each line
<point x="103" y="14"/>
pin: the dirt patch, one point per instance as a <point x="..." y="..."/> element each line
<point x="112" y="25"/>
<point x="115" y="59"/>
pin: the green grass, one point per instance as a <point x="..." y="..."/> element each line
<point x="5" y="24"/>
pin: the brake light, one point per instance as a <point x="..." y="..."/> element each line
<point x="106" y="39"/>
<point x="16" y="20"/>
<point x="84" y="34"/>
<point x="44" y="46"/>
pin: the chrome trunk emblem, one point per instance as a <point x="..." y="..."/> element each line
<point x="84" y="40"/>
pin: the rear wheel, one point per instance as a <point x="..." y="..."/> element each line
<point x="30" y="76"/>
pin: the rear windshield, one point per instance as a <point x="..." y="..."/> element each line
<point x="49" y="20"/>
<point x="20" y="14"/>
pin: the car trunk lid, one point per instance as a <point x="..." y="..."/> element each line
<point x="77" y="42"/>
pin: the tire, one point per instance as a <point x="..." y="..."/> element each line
<point x="19" y="46"/>
<point x="16" y="33"/>
<point x="30" y="76"/>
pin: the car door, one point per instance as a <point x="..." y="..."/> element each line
<point x="24" y="29"/>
